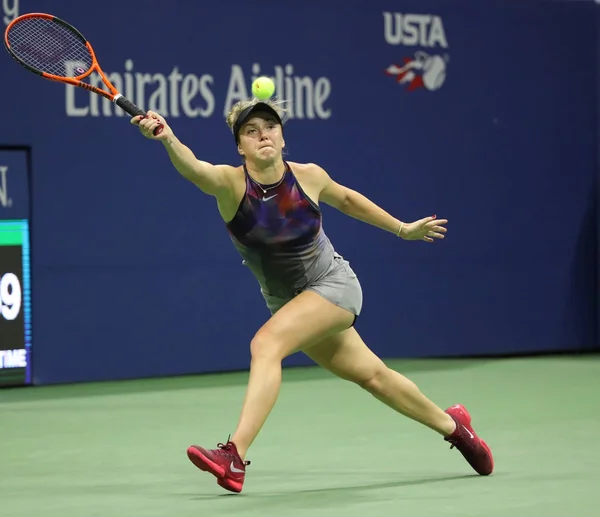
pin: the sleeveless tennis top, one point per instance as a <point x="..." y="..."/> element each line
<point x="277" y="230"/>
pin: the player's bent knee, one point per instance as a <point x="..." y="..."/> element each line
<point x="267" y="346"/>
<point x="375" y="381"/>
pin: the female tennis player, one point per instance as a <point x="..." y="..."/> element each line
<point x="271" y="210"/>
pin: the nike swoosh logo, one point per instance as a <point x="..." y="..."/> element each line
<point x="234" y="470"/>
<point x="270" y="197"/>
<point x="470" y="434"/>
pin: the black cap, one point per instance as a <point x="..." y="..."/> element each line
<point x="245" y="114"/>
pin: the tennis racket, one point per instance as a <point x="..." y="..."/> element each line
<point x="48" y="46"/>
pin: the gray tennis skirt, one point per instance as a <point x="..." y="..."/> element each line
<point x="339" y="285"/>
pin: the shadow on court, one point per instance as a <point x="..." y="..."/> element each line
<point x="326" y="496"/>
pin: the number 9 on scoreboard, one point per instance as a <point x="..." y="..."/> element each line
<point x="10" y="296"/>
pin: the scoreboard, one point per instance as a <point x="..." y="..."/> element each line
<point x="15" y="303"/>
<point x="15" y="270"/>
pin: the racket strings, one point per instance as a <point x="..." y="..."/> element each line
<point x="50" y="47"/>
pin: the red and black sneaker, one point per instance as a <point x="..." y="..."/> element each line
<point x="224" y="463"/>
<point x="464" y="438"/>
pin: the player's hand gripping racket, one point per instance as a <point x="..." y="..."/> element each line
<point x="48" y="46"/>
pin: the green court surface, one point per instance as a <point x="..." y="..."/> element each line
<point x="328" y="448"/>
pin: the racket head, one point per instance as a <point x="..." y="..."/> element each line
<point x="48" y="46"/>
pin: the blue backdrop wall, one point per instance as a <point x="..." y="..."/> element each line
<point x="492" y="125"/>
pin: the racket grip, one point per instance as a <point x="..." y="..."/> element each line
<point x="129" y="107"/>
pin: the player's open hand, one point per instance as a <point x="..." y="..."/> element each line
<point x="426" y="229"/>
<point x="152" y="123"/>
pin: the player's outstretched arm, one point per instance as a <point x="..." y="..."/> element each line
<point x="354" y="204"/>
<point x="209" y="178"/>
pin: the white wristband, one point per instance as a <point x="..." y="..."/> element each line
<point x="400" y="229"/>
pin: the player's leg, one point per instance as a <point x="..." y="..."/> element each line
<point x="347" y="356"/>
<point x="301" y="322"/>
<point x="298" y="324"/>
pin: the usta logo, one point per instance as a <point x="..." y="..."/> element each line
<point x="422" y="69"/>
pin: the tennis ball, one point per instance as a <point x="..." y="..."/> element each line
<point x="263" y="88"/>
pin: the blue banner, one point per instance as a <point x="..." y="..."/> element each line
<point x="481" y="113"/>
